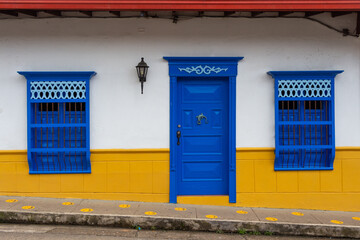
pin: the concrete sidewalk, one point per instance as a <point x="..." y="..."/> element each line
<point x="179" y="217"/>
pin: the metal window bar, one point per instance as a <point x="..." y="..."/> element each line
<point x="304" y="127"/>
<point x="58" y="130"/>
<point x="295" y="154"/>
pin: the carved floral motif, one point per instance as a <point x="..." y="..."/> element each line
<point x="203" y="70"/>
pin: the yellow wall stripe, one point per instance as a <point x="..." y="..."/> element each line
<point x="143" y="175"/>
<point x="137" y="150"/>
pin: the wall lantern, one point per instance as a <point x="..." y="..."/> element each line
<point x="142" y="69"/>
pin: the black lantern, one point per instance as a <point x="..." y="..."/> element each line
<point x="142" y="69"/>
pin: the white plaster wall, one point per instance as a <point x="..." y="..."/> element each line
<point x="123" y="118"/>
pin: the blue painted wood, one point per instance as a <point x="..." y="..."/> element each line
<point x="173" y="140"/>
<point x="87" y="162"/>
<point x="29" y="135"/>
<point x="59" y="172"/>
<point x="232" y="140"/>
<point x="332" y="117"/>
<point x="58" y="138"/>
<point x="57" y="75"/>
<point x="304" y="126"/>
<point x="203" y="156"/>
<point x="203" y="66"/>
<point x="208" y="67"/>
<point x="304" y="75"/>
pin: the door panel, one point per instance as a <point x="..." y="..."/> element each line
<point x="203" y="144"/>
<point x="198" y="171"/>
<point x="202" y="156"/>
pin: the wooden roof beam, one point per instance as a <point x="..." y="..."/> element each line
<point x="116" y="13"/>
<point x="283" y="14"/>
<point x="28" y="12"/>
<point x="87" y="13"/>
<point x="255" y="14"/>
<point x="229" y="13"/>
<point x="338" y="14"/>
<point x="175" y="17"/>
<point x="54" y="13"/>
<point x="10" y="13"/>
<point x="144" y="14"/>
<point x="310" y="14"/>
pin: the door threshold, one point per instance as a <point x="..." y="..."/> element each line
<point x="216" y="200"/>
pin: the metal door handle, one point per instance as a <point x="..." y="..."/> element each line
<point x="201" y="116"/>
<point x="178" y="135"/>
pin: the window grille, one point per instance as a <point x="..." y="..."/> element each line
<point x="58" y="122"/>
<point x="304" y="120"/>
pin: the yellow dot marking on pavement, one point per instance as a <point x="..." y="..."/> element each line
<point x="180" y="209"/>
<point x="211" y="216"/>
<point x="86" y="210"/>
<point x="336" y="222"/>
<point x="271" y="219"/>
<point x="297" y="213"/>
<point x="356" y="218"/>
<point x="242" y="212"/>
<point x="68" y="203"/>
<point x="11" y="200"/>
<point x="28" y="207"/>
<point x="124" y="206"/>
<point x="150" y="213"/>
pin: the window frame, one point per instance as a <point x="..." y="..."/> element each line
<point x="304" y="151"/>
<point x="44" y="94"/>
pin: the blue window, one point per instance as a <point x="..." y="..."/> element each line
<point x="58" y="121"/>
<point x="304" y="120"/>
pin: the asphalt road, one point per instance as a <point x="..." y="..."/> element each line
<point x="39" y="232"/>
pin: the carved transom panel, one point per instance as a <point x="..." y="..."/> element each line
<point x="304" y="88"/>
<point x="58" y="89"/>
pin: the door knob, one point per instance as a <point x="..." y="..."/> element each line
<point x="178" y="135"/>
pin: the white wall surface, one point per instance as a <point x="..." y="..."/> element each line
<point x="123" y="118"/>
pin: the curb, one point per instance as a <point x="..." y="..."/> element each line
<point x="188" y="224"/>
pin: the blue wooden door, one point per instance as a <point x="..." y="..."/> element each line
<point x="203" y="147"/>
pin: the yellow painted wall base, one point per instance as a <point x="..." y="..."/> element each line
<point x="258" y="185"/>
<point x="136" y="197"/>
<point x="323" y="201"/>
<point x="134" y="175"/>
<point x="143" y="175"/>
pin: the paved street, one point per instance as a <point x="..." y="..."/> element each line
<point x="39" y="232"/>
